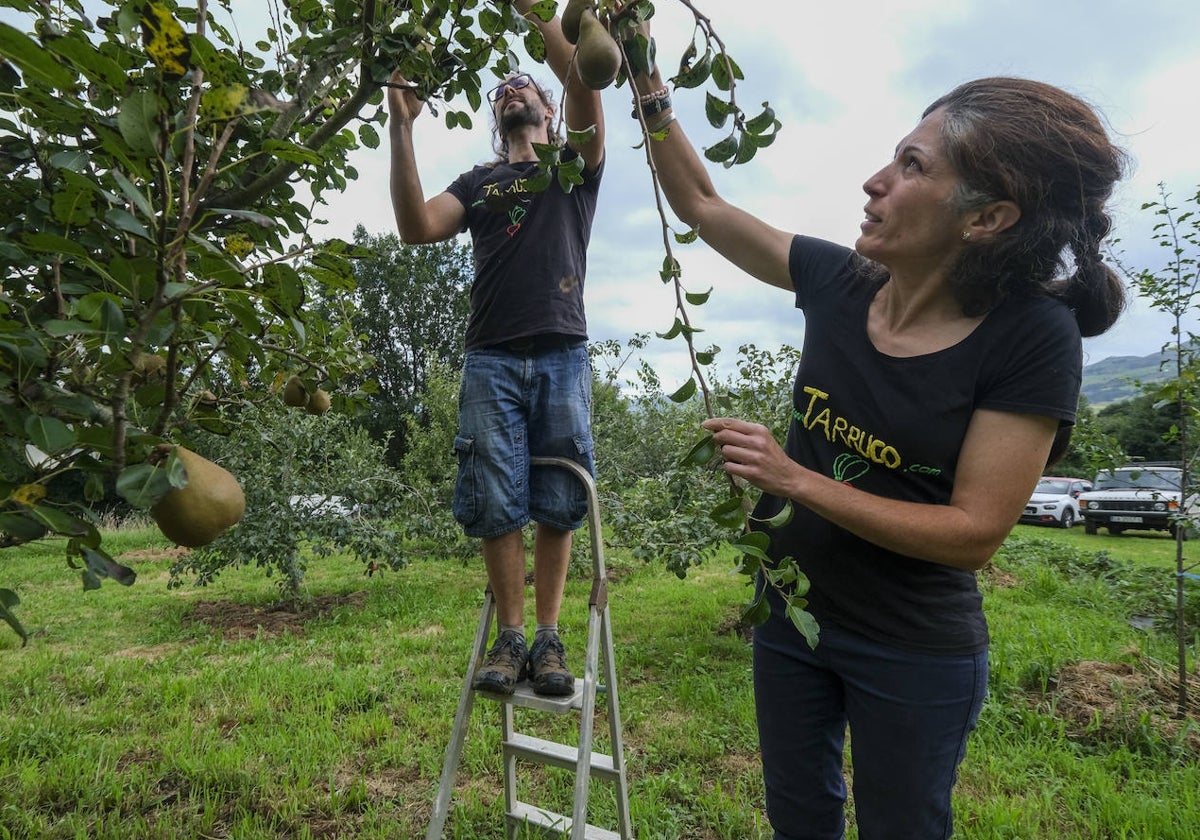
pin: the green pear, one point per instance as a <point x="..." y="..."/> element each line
<point x="597" y="56"/>
<point x="148" y="366"/>
<point x="294" y="392"/>
<point x="198" y="513"/>
<point x="569" y="23"/>
<point x="318" y="403"/>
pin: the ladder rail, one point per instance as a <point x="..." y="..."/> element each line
<point x="462" y="718"/>
<point x="582" y="759"/>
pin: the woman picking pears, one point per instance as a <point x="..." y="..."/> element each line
<point x="939" y="376"/>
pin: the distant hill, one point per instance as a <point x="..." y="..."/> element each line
<point x="1111" y="380"/>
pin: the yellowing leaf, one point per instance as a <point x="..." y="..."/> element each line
<point x="166" y="43"/>
<point x="28" y="494"/>
<point x="224" y="102"/>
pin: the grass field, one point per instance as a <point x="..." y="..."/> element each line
<point x="151" y="712"/>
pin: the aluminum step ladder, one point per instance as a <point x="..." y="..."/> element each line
<point x="519" y="746"/>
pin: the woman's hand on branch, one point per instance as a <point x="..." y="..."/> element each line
<point x="751" y="452"/>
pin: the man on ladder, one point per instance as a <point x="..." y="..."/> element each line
<point x="526" y="380"/>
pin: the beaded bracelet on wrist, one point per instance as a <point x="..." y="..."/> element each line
<point x="652" y="103"/>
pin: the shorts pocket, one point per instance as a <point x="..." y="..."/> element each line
<point x="466" y="486"/>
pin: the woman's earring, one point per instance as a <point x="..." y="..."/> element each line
<point x="966" y="234"/>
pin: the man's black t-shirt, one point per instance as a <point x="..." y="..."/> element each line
<point x="530" y="252"/>
<point x="894" y="427"/>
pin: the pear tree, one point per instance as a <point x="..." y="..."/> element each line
<point x="164" y="173"/>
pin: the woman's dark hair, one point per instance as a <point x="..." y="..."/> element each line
<point x="1046" y="150"/>
<point x="500" y="142"/>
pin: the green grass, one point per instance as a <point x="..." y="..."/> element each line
<point x="128" y="716"/>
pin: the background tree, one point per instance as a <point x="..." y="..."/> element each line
<point x="410" y="305"/>
<point x="1144" y="426"/>
<point x="1174" y="288"/>
<point x="314" y="485"/>
<point x="1091" y="449"/>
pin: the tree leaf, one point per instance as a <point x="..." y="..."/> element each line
<point x="757" y="611"/>
<point x="701" y="453"/>
<point x="166" y="43"/>
<point x="142" y="485"/>
<point x="754" y="544"/>
<point x="722" y="151"/>
<point x="94" y="64"/>
<point x="291" y="152"/>
<point x="696" y="74"/>
<point x="21" y="527"/>
<point x="102" y="565"/>
<point x="61" y="522"/>
<point x="139" y="199"/>
<point x="782" y="518"/>
<point x="675" y="330"/>
<point x="260" y="219"/>
<point x="124" y="221"/>
<point x="52" y="243"/>
<point x="730" y="513"/>
<point x="137" y="121"/>
<point x="582" y="136"/>
<point x="35" y="63"/>
<point x="805" y="623"/>
<point x="685" y="392"/>
<point x="670" y="269"/>
<point x="49" y="434"/>
<point x="717" y="110"/>
<point x="765" y="120"/>
<point x="8" y="600"/>
<point x="368" y="136"/>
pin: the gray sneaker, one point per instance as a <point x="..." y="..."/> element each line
<point x="548" y="670"/>
<point x="504" y="665"/>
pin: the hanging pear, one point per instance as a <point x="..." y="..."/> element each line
<point x="597" y="56"/>
<point x="318" y="403"/>
<point x="294" y="392"/>
<point x="569" y="22"/>
<point x="205" y="508"/>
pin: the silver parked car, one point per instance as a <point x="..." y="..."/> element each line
<point x="1055" y="501"/>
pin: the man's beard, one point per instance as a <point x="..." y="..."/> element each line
<point x="525" y="115"/>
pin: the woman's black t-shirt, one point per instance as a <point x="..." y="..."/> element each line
<point x="894" y="427"/>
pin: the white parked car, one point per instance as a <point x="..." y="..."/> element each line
<point x="1055" y="501"/>
<point x="327" y="506"/>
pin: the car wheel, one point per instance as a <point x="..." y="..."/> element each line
<point x="1175" y="529"/>
<point x="1089" y="527"/>
<point x="1068" y="518"/>
<point x="1116" y="529"/>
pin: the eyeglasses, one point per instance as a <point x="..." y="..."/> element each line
<point x="516" y="83"/>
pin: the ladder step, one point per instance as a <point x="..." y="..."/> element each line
<point x="554" y="754"/>
<point x="525" y="696"/>
<point x="525" y="814"/>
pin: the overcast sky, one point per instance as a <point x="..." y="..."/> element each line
<point x="848" y="80"/>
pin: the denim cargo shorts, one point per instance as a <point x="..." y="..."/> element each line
<point x="513" y="406"/>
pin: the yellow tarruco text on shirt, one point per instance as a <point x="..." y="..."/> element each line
<point x="817" y="415"/>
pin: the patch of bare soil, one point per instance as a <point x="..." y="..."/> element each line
<point x="998" y="578"/>
<point x="173" y="553"/>
<point x="1102" y="701"/>
<point x="247" y="621"/>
